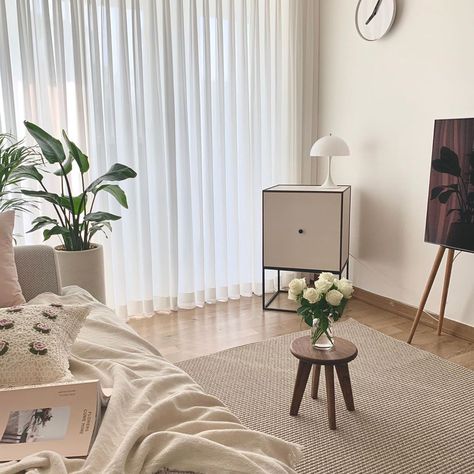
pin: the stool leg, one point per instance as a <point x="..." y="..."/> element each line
<point x="329" y="370"/>
<point x="304" y="368"/>
<point x="345" y="383"/>
<point x="315" y="383"/>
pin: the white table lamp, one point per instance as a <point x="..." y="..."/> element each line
<point x="329" y="146"/>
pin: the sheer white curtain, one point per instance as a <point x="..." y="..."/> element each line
<point x="210" y="101"/>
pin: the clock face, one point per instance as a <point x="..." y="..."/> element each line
<point x="374" y="18"/>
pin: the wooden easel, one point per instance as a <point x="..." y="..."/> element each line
<point x="429" y="284"/>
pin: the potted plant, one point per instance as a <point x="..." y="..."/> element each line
<point x="16" y="161"/>
<point x="75" y="221"/>
<point x="461" y="231"/>
<point x="321" y="305"/>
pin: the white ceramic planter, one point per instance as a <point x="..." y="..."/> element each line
<point x="85" y="269"/>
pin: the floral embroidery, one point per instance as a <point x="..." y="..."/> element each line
<point x="6" y="324"/>
<point x="56" y="305"/>
<point x="38" y="348"/>
<point x="23" y="362"/>
<point x="14" y="309"/>
<point x="3" y="347"/>
<point x="49" y="315"/>
<point x="42" y="328"/>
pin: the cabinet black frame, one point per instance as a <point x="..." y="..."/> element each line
<point x="265" y="304"/>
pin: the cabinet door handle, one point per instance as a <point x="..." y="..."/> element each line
<point x="300" y="231"/>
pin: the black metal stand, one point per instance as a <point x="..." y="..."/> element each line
<point x="266" y="304"/>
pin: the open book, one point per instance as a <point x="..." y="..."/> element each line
<point x="63" y="418"/>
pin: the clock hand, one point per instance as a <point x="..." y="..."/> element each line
<point x="376" y="9"/>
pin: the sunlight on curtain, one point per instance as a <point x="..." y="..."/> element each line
<point x="210" y="101"/>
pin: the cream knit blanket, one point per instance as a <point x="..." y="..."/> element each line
<point x="158" y="417"/>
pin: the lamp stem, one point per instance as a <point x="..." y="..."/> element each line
<point x="329" y="183"/>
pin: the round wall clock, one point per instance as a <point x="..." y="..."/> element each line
<point x="374" y="18"/>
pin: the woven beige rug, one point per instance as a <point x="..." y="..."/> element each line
<point x="414" y="411"/>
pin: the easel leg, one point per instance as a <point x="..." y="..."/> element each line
<point x="429" y="284"/>
<point x="444" y="297"/>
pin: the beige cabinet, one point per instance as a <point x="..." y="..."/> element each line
<point x="306" y="228"/>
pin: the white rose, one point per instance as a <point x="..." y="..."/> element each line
<point x="323" y="285"/>
<point x="345" y="287"/>
<point x="326" y="276"/>
<point x="334" y="297"/>
<point x="312" y="295"/>
<point x="292" y="296"/>
<point x="297" y="286"/>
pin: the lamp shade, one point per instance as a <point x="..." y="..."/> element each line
<point x="329" y="145"/>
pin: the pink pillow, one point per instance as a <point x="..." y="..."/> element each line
<point x="10" y="290"/>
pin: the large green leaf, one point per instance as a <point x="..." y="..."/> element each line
<point x="80" y="158"/>
<point x="99" y="227"/>
<point x="117" y="172"/>
<point x="29" y="172"/>
<point x="41" y="222"/>
<point x="100" y="217"/>
<point x="79" y="203"/>
<point x="56" y="230"/>
<point x="49" y="197"/>
<point x="67" y="167"/>
<point x="116" y="191"/>
<point x="51" y="147"/>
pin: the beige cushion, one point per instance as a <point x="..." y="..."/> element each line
<point x="35" y="343"/>
<point x="10" y="290"/>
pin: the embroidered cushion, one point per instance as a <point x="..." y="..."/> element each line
<point x="35" y="343"/>
<point x="10" y="290"/>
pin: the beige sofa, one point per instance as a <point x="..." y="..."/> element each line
<point x="37" y="270"/>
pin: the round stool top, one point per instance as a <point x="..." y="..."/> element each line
<point x="342" y="352"/>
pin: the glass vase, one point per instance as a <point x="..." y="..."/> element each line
<point x="322" y="337"/>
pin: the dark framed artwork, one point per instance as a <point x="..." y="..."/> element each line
<point x="450" y="214"/>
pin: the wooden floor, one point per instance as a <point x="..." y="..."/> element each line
<point x="192" y="333"/>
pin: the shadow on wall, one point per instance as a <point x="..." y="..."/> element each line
<point x="467" y="307"/>
<point x="389" y="223"/>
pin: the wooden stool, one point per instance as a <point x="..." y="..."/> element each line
<point x="342" y="353"/>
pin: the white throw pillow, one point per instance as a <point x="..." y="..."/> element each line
<point x="35" y="343"/>
<point x="10" y="290"/>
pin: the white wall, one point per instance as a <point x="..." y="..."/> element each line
<point x="383" y="97"/>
